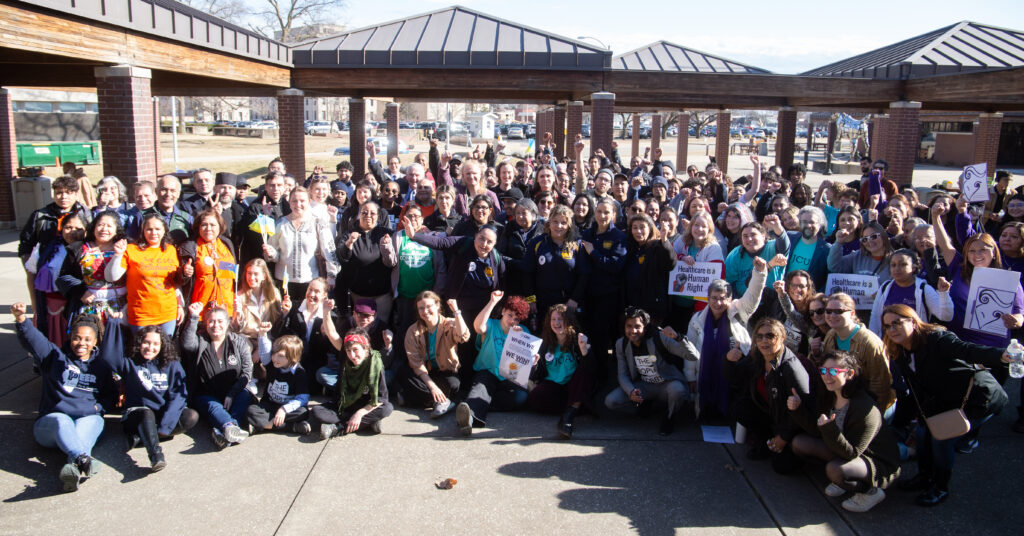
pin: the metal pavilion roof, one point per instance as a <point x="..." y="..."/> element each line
<point x="670" y="57"/>
<point x="959" y="48"/>
<point x="453" y="37"/>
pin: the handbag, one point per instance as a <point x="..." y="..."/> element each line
<point x="948" y="424"/>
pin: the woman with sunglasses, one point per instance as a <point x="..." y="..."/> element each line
<point x="849" y="435"/>
<point x="907" y="288"/>
<point x="481" y="212"/>
<point x="936" y="372"/>
<point x="764" y="379"/>
<point x="849" y="335"/>
<point x="873" y="257"/>
<point x="811" y="324"/>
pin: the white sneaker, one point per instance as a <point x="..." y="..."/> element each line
<point x="441" y="409"/>
<point x="862" y="502"/>
<point x="833" y="490"/>
<point x="233" y="434"/>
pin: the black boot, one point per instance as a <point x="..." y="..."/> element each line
<point x="150" y="440"/>
<point x="939" y="491"/>
<point x="565" y="424"/>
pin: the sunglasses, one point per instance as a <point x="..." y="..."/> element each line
<point x="896" y="324"/>
<point x="835" y="311"/>
<point x="816" y="312"/>
<point x="832" y="371"/>
<point x="872" y="236"/>
<point x="766" y="336"/>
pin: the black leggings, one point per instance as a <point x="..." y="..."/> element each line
<point x="133" y="420"/>
<point x="758" y="423"/>
<point x="417" y="393"/>
<point x="260" y="415"/>
<point x="322" y="415"/>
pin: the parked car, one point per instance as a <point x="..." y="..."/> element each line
<point x="585" y="130"/>
<point x="320" y="127"/>
<point x="381" y="145"/>
<point x="760" y="134"/>
<point x="406" y="124"/>
<point x="264" y="124"/>
<point x="516" y="133"/>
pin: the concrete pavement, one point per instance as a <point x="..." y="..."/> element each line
<point x="617" y="476"/>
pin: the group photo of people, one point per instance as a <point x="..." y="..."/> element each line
<point x="836" y="327"/>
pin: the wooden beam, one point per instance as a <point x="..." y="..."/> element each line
<point x="33" y="31"/>
<point x="480" y="81"/>
<point x="753" y="85"/>
<point x="967" y="86"/>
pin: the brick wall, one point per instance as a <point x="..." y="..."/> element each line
<point x="635" y="128"/>
<point x="602" y="115"/>
<point x="785" y="138"/>
<point x="391" y="116"/>
<point x="156" y="134"/>
<point x="292" y="136"/>
<point x="125" y="106"/>
<point x="558" y="131"/>
<point x="878" y="130"/>
<point x="8" y="160"/>
<point x="573" y="125"/>
<point x="655" y="131"/>
<point x="357" y="137"/>
<point x="682" y="143"/>
<point x="987" y="130"/>
<point x="544" y="125"/>
<point x="723" y="123"/>
<point x="903" y="140"/>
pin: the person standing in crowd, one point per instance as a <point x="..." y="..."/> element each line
<point x="83" y="278"/>
<point x="203" y="183"/>
<point x="257" y="301"/>
<point x="848" y="334"/>
<point x="302" y="248"/>
<point x="260" y="220"/>
<point x="111" y="194"/>
<point x="211" y="257"/>
<point x="555" y="268"/>
<point x="177" y="220"/>
<point x="605" y="244"/>
<point x="906" y="288"/>
<point x="649" y="260"/>
<point x="367" y="256"/>
<point x="152" y="275"/>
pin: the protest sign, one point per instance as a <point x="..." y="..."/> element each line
<point x="861" y="288"/>
<point x="974" y="183"/>
<point x="517" y="357"/>
<point x="992" y="293"/>
<point x="693" y="281"/>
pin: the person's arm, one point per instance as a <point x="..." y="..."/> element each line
<point x="837" y="262"/>
<point x="942" y="242"/>
<point x="433" y="158"/>
<point x="755" y="181"/>
<point x="625" y="382"/>
<point x="963" y="226"/>
<point x="752" y="296"/>
<point x="679" y="346"/>
<point x="30" y="338"/>
<point x="861" y="432"/>
<point x="327" y="326"/>
<point x="112" y="348"/>
<point x="245" y="356"/>
<point x="189" y="337"/>
<point x="795" y="378"/>
<point x="490" y="155"/>
<point x="480" y="323"/>
<point x="938" y="300"/>
<point x="437" y="240"/>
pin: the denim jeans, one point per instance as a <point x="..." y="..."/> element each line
<point x="72" y="436"/>
<point x="940" y="452"/>
<point x="214" y="410"/>
<point x="166" y="327"/>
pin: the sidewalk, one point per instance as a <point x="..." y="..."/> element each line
<point x="617" y="476"/>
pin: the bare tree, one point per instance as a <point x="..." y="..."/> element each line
<point x="701" y="119"/>
<point x="285" y="16"/>
<point x="626" y="119"/>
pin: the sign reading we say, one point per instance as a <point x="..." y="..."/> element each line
<point x="517" y="357"/>
<point x="974" y="183"/>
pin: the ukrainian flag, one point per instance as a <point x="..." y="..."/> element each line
<point x="263" y="224"/>
<point x="530" y="147"/>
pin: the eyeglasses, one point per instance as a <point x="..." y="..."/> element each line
<point x="766" y="336"/>
<point x="832" y="371"/>
<point x="872" y="236"/>
<point x="816" y="312"/>
<point x="894" y="325"/>
<point x="481" y="207"/>
<point x="836" y="312"/>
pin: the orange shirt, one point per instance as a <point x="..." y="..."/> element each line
<point x="150" y="282"/>
<point x="214" y="277"/>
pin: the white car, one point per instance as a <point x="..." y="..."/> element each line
<point x="515" y="133"/>
<point x="320" y="127"/>
<point x="264" y="124"/>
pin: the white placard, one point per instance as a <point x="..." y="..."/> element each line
<point x="861" y="288"/>
<point x="517" y="357"/>
<point x="991" y="295"/>
<point x="974" y="183"/>
<point x="693" y="281"/>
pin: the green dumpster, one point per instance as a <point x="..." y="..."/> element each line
<point x="56" y="153"/>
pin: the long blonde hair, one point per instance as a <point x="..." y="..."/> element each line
<point x="271" y="298"/>
<point x="710" y="239"/>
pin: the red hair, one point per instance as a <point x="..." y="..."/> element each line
<point x="518" y="306"/>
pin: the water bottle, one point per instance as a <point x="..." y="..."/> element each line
<point x="1016" y="353"/>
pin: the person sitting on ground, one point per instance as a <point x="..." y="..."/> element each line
<point x="76" y="390"/>
<point x="364" y="316"/>
<point x="565" y="378"/>
<point x="218" y="365"/>
<point x="649" y="368"/>
<point x="155" y="389"/>
<point x="362" y="392"/>
<point x="859" y="450"/>
<point x="283" y="406"/>
<point x="431" y="343"/>
<point x="491" y="390"/>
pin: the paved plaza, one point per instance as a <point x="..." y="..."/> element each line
<point x="617" y="476"/>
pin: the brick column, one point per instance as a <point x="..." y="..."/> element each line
<point x="291" y="141"/>
<point x="904" y="140"/>
<point x="126" y="122"/>
<point x="722" y="124"/>
<point x="655" y="131"/>
<point x="8" y="160"/>
<point x="558" y="132"/>
<point x="391" y="116"/>
<point x="682" y="143"/>
<point x="785" y="139"/>
<point x="602" y="120"/>
<point x="544" y="125"/>
<point x="877" y="131"/>
<point x="156" y="133"/>
<point x="573" y="126"/>
<point x="987" y="130"/>
<point x="357" y="137"/>
<point x="636" y="135"/>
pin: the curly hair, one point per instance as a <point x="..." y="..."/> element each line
<point x="518" y="306"/>
<point x="570" y="326"/>
<point x="168" y="350"/>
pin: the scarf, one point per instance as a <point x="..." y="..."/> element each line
<point x="711" y="383"/>
<point x="359" y="381"/>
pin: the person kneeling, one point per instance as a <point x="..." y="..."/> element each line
<point x="362" y="392"/>
<point x="649" y="368"/>
<point x="490" y="389"/>
<point x="287" y="391"/>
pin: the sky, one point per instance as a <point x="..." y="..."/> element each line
<point x="781" y="36"/>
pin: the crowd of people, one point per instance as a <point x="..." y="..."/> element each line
<point x="314" y="305"/>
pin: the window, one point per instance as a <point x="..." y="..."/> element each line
<point x="72" y="107"/>
<point x="36" y="106"/>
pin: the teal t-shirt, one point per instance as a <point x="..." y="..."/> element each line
<point x="560" y="366"/>
<point x="831" y="216"/>
<point x="844" y="344"/>
<point x="431" y="350"/>
<point x="801" y="258"/>
<point x="490" y="346"/>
